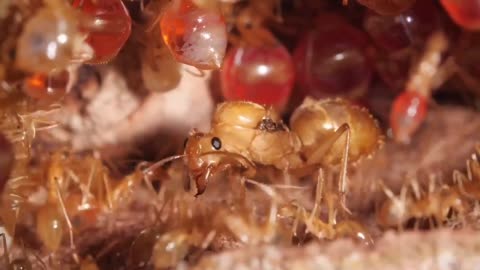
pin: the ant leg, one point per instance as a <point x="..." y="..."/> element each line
<point x="469" y="170"/>
<point x="295" y="222"/>
<point x="403" y="201"/>
<point x="444" y="73"/>
<point x="42" y="263"/>
<point x="318" y="155"/>
<point x="432" y="185"/>
<point x="68" y="221"/>
<point x="398" y="202"/>
<point x="342" y="184"/>
<point x="318" y="192"/>
<point x="416" y="189"/>
<point x="6" y="255"/>
<point x="108" y="192"/>
<point x="270" y="225"/>
<point x="200" y="73"/>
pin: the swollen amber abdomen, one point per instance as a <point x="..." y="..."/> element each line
<point x="46" y="87"/>
<point x="47" y="42"/>
<point x="465" y="13"/>
<point x="109" y="28"/>
<point x="194" y="36"/>
<point x="399" y="35"/>
<point x="408" y="113"/>
<point x="263" y="75"/>
<point x="331" y="60"/>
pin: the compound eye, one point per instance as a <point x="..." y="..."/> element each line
<point x="216" y="143"/>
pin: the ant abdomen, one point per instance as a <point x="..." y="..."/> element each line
<point x="316" y="121"/>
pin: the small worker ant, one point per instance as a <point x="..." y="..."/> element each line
<point x="440" y="205"/>
<point x="436" y="206"/>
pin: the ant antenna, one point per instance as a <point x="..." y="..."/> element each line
<point x="160" y="163"/>
<point x="67" y="219"/>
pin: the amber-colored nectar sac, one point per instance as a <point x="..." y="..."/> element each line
<point x="194" y="36"/>
<point x="331" y="60"/>
<point x="263" y="75"/>
<point x="465" y="13"/>
<point x="408" y="113"/>
<point x="51" y="87"/>
<point x="109" y="27"/>
<point x="397" y="36"/>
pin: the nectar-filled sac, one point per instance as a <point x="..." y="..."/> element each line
<point x="108" y="28"/>
<point x="408" y="112"/>
<point x="263" y="75"/>
<point x="332" y="60"/>
<point x="194" y="36"/>
<point x="411" y="27"/>
<point x="46" y="87"/>
<point x="465" y="13"/>
<point x="398" y="37"/>
<point x="47" y="42"/>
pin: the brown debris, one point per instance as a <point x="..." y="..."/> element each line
<point x="414" y="250"/>
<point x="111" y="114"/>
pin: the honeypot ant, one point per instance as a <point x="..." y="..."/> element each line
<point x="409" y="109"/>
<point x="324" y="133"/>
<point x="435" y="206"/>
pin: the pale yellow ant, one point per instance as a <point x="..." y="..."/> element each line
<point x="322" y="134"/>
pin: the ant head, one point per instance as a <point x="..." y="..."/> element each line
<point x="200" y="148"/>
<point x="205" y="154"/>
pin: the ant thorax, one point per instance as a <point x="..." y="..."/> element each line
<point x="255" y="132"/>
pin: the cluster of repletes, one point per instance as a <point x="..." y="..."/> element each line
<point x="334" y="56"/>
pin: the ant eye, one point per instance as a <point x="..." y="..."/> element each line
<point x="216" y="143"/>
